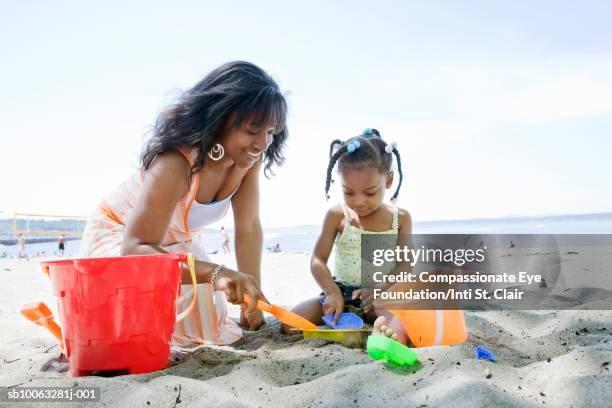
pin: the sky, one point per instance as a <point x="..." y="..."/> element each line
<point x="498" y="108"/>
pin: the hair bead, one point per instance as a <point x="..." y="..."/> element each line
<point x="374" y="148"/>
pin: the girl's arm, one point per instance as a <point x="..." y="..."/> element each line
<point x="322" y="250"/>
<point x="404" y="239"/>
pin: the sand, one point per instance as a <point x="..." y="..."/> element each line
<point x="545" y="358"/>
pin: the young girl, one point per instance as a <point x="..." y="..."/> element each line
<point x="205" y="154"/>
<point x="364" y="164"/>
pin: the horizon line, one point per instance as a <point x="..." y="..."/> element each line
<point x="507" y="217"/>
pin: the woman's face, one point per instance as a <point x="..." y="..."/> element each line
<point x="247" y="143"/>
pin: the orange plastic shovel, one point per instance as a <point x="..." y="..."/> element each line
<point x="40" y="314"/>
<point x="283" y="315"/>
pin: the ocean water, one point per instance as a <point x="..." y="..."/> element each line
<point x="302" y="238"/>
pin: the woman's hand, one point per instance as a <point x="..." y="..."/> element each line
<point x="334" y="303"/>
<point x="235" y="284"/>
<point x="252" y="320"/>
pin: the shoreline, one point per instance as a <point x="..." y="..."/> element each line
<point x="13" y="242"/>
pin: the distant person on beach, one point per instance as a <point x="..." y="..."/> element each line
<point x="364" y="164"/>
<point x="61" y="244"/>
<point x="206" y="152"/>
<point x="276" y="248"/>
<point x="226" y="241"/>
<point x="21" y="244"/>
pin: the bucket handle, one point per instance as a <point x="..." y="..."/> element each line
<point x="191" y="264"/>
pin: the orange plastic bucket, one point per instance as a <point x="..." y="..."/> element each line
<point x="433" y="327"/>
<point x="117" y="313"/>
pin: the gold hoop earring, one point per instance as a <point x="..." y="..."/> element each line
<point x="217" y="152"/>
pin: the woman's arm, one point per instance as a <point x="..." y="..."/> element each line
<point x="248" y="238"/>
<point x="248" y="234"/>
<point x="166" y="182"/>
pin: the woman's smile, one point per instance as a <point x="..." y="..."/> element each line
<point x="254" y="154"/>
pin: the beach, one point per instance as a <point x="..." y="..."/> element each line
<point x="544" y="358"/>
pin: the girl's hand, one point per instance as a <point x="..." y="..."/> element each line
<point x="334" y="303"/>
<point x="366" y="297"/>
<point x="235" y="284"/>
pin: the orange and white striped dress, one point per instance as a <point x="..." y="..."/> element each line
<point x="208" y="322"/>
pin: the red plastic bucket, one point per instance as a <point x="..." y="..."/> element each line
<point x="117" y="313"/>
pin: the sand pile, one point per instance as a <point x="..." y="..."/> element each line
<point x="545" y="358"/>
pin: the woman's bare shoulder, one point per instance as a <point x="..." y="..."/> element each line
<point x="173" y="162"/>
<point x="170" y="172"/>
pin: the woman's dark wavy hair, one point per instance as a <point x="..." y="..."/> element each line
<point x="199" y="116"/>
<point x="370" y="153"/>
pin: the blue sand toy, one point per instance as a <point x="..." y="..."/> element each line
<point x="484" y="354"/>
<point x="345" y="321"/>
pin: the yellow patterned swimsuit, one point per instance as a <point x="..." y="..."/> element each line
<point x="347" y="266"/>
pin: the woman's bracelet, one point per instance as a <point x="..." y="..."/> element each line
<point x="213" y="278"/>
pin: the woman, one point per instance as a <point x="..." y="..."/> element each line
<point x="205" y="153"/>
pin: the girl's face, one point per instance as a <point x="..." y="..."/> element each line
<point x="247" y="143"/>
<point x="364" y="188"/>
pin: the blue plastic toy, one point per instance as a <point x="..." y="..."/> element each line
<point x="345" y="321"/>
<point x="484" y="354"/>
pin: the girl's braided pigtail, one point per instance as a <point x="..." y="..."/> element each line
<point x="401" y="175"/>
<point x="332" y="163"/>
